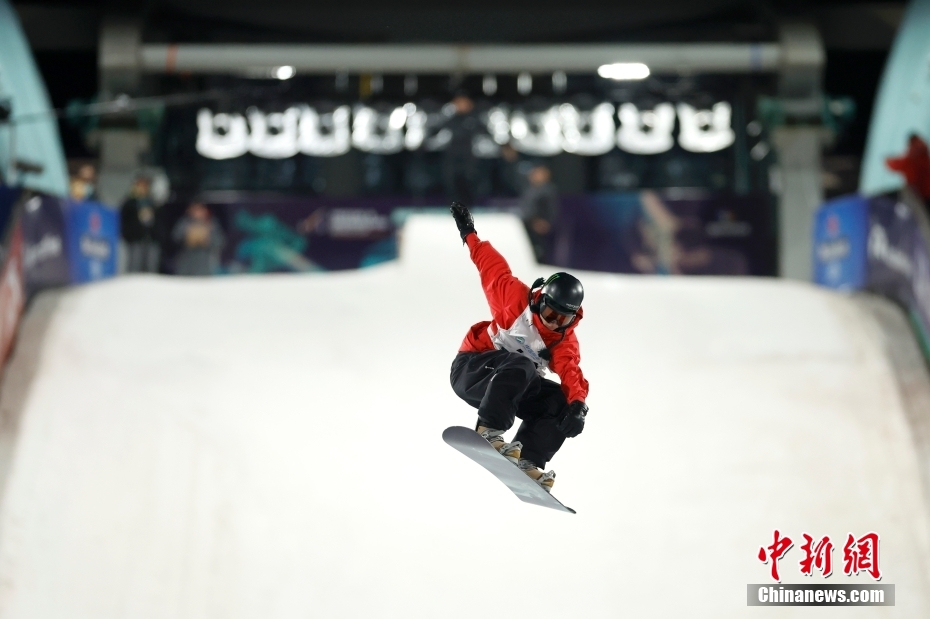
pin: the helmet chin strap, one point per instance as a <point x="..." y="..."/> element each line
<point x="537" y="285"/>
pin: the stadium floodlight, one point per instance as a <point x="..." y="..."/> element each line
<point x="285" y="73"/>
<point x="624" y="71"/>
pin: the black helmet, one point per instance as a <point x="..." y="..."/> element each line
<point x="563" y="294"/>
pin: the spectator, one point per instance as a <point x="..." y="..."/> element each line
<point x="140" y="225"/>
<point x="201" y="241"/>
<point x="459" y="167"/>
<point x="508" y="178"/>
<point x="540" y="207"/>
<point x="83" y="185"/>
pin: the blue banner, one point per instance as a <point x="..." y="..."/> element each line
<point x="840" y="231"/>
<point x="93" y="235"/>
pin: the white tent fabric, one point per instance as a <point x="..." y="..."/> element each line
<point x="270" y="447"/>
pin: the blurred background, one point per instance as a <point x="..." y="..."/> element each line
<point x="743" y="118"/>
<point x="163" y="151"/>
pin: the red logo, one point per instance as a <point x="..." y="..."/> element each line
<point x="859" y="555"/>
<point x="819" y="555"/>
<point x="778" y="548"/>
<point x="833" y="224"/>
<point x="94" y="222"/>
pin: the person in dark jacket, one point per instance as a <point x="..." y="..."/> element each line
<point x="140" y="224"/>
<point x="459" y="166"/>
<point x="540" y="206"/>
<point x="201" y="241"/>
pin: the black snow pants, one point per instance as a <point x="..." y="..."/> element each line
<point x="503" y="385"/>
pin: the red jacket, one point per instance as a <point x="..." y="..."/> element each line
<point x="508" y="298"/>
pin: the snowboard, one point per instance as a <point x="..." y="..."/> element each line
<point x="470" y="443"/>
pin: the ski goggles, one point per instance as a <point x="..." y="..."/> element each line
<point x="553" y="316"/>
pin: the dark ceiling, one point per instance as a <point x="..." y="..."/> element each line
<point x="844" y="25"/>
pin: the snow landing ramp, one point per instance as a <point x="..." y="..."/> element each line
<point x="270" y="447"/>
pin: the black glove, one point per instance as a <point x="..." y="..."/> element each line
<point x="571" y="423"/>
<point x="463" y="219"/>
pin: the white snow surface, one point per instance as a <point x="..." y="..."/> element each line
<point x="270" y="447"/>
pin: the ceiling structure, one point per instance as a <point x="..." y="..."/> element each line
<point x="74" y="25"/>
<point x="856" y="36"/>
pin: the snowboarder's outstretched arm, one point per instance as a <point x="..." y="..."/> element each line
<point x="504" y="292"/>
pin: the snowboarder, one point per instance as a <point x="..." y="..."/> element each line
<point x="500" y="365"/>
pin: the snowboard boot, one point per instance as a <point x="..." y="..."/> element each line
<point x="511" y="451"/>
<point x="546" y="480"/>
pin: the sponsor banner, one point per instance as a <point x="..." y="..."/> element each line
<point x="898" y="256"/>
<point x="685" y="232"/>
<point x="266" y="233"/>
<point x="890" y="243"/>
<point x="920" y="259"/>
<point x="45" y="261"/>
<point x="92" y="238"/>
<point x="668" y="232"/>
<point x="896" y="248"/>
<point x="12" y="290"/>
<point x="387" y="129"/>
<point x="840" y="230"/>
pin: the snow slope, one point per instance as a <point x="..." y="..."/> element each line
<point x="270" y="447"/>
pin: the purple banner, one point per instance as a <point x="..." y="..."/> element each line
<point x="890" y="247"/>
<point x="683" y="232"/>
<point x="45" y="261"/>
<point x="899" y="254"/>
<point x="667" y="232"/>
<point x="266" y="233"/>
